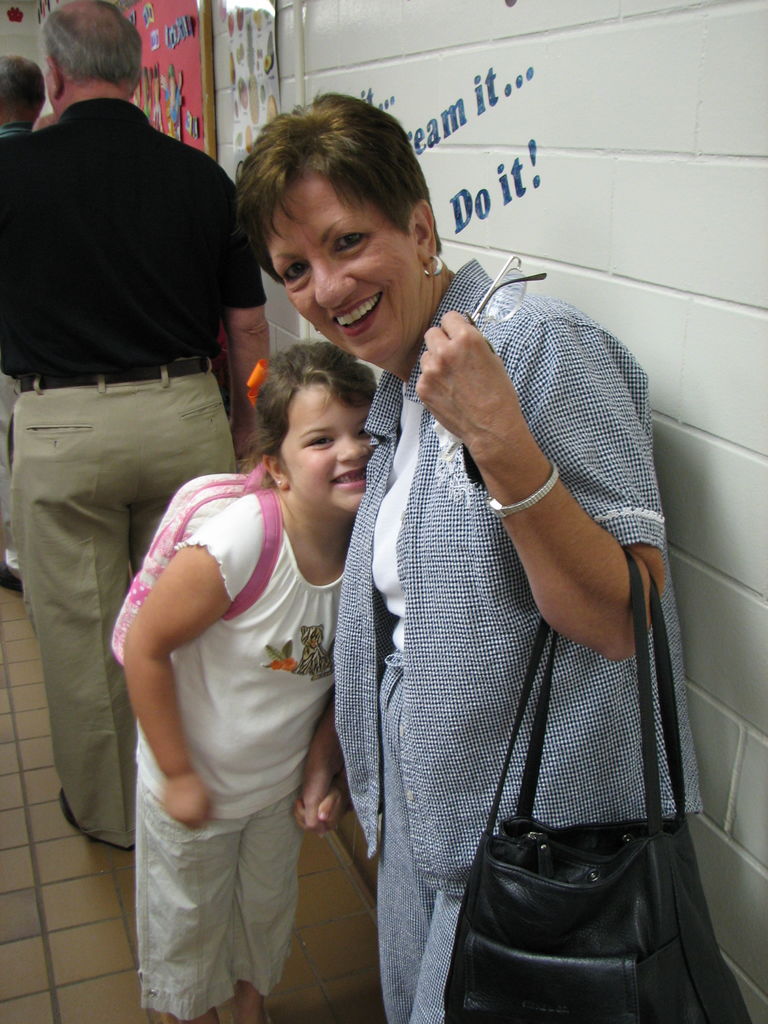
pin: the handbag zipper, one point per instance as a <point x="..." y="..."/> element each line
<point x="546" y="868"/>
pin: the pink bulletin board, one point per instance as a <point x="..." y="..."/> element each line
<point x="175" y="91"/>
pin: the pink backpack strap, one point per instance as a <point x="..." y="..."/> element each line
<point x="273" y="535"/>
<point x="254" y="481"/>
<point x="193" y="495"/>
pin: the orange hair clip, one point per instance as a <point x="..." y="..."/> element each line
<point x="256" y="379"/>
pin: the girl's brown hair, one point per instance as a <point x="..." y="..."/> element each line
<point x="304" y="365"/>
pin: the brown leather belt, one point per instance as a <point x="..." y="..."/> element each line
<point x="179" y="368"/>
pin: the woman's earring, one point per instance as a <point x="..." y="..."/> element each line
<point x="438" y="263"/>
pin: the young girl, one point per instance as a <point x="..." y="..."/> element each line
<point x="227" y="708"/>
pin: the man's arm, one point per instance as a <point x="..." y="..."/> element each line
<point x="248" y="341"/>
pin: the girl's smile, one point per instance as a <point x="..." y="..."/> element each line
<point x="321" y="466"/>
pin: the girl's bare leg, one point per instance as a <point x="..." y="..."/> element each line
<point x="209" y="1017"/>
<point x="249" y="1004"/>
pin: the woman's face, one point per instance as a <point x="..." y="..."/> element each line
<point x="357" y="278"/>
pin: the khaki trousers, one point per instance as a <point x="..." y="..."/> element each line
<point x="94" y="469"/>
<point x="7" y="402"/>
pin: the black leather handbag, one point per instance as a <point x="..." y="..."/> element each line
<point x="593" y="924"/>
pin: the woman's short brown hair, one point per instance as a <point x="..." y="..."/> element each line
<point x="360" y="150"/>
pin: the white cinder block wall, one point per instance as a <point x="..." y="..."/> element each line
<point x="645" y="198"/>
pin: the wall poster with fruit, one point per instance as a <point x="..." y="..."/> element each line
<point x="176" y="87"/>
<point x="251" y="31"/>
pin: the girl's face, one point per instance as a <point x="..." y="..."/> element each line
<point x="358" y="279"/>
<point x="321" y="467"/>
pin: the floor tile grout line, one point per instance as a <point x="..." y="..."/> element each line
<point x="341" y="856"/>
<point x="316" y="972"/>
<point x="126" y="918"/>
<point x="352" y="872"/>
<point x="31" y="847"/>
<point x="124" y="914"/>
<point x="319" y="981"/>
<point x="364" y="897"/>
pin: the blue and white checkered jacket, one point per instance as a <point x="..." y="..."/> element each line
<point x="470" y="617"/>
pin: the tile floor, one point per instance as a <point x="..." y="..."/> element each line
<point x="67" y="940"/>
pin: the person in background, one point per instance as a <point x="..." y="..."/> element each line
<point x="227" y="707"/>
<point x="119" y="257"/>
<point x="510" y="470"/>
<point x="22" y="95"/>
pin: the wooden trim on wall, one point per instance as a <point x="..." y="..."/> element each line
<point x="207" y="73"/>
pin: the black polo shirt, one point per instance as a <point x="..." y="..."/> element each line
<point x="118" y="246"/>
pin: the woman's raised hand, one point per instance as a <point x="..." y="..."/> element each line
<point x="464" y="385"/>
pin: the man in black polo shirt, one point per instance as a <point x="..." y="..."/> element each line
<point x="118" y="259"/>
<point x="22" y="95"/>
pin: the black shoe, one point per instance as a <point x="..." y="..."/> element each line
<point x="66" y="810"/>
<point x="9" y="579"/>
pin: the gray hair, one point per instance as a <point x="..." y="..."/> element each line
<point x="93" y="41"/>
<point x="22" y="89"/>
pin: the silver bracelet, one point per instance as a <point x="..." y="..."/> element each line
<point x="502" y="511"/>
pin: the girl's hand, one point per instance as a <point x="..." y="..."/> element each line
<point x="325" y="815"/>
<point x="186" y="799"/>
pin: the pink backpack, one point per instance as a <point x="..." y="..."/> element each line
<point x="222" y="488"/>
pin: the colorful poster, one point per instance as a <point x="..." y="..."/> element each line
<point x="252" y="71"/>
<point x="171" y="88"/>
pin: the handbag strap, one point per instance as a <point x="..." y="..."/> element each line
<point x="666" y="689"/>
<point x="539" y="642"/>
<point x="645" y="698"/>
<point x="665" y="683"/>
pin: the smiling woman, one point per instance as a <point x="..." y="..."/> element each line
<point x="343" y="140"/>
<point x="357" y="278"/>
<point x="508" y="473"/>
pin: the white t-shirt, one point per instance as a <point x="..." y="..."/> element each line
<point x="251" y="689"/>
<point x="391" y="511"/>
